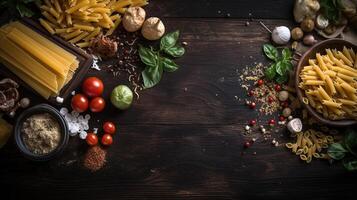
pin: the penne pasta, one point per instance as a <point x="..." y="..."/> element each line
<point x="330" y="84"/>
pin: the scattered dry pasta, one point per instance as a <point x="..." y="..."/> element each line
<point x="78" y="21"/>
<point x="310" y="144"/>
<point x="330" y="84"/>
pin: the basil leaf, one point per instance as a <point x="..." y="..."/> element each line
<point x="287" y="55"/>
<point x="280" y="68"/>
<point x="147" y="56"/>
<point x="169" y="40"/>
<point x="350" y="165"/>
<point x="337" y="151"/>
<point x="152" y="76"/>
<point x="350" y="141"/>
<point x="169" y="65"/>
<point x="23" y="10"/>
<point x="270" y="72"/>
<point x="176" y="51"/>
<point x="282" y="79"/>
<point x="271" y="52"/>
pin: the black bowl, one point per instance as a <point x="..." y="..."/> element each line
<point x="39" y="109"/>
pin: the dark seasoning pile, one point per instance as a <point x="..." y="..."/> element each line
<point x="126" y="63"/>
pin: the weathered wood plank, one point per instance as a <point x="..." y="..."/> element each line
<point x="273" y="9"/>
<point x="157" y="161"/>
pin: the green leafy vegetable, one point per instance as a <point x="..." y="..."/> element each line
<point x="350" y="165"/>
<point x="350" y="141"/>
<point x="169" y="40"/>
<point x="336" y="151"/>
<point x="155" y="61"/>
<point x="345" y="150"/>
<point x="23" y="7"/>
<point x="279" y="69"/>
<point x="169" y="65"/>
<point x="271" y="52"/>
<point x="331" y="9"/>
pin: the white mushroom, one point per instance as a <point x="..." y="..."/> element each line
<point x="305" y="8"/>
<point x="134" y="18"/>
<point x="153" y="28"/>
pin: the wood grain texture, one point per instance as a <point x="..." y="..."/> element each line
<point x="177" y="143"/>
<point x="273" y="9"/>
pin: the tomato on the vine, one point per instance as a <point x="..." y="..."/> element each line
<point x="97" y="104"/>
<point x="107" y="139"/>
<point x="109" y="127"/>
<point x="79" y="103"/>
<point x="92" y="139"/>
<point x="93" y="87"/>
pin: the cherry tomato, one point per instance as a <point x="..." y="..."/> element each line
<point x="92" y="139"/>
<point x="79" y="103"/>
<point x="97" y="104"/>
<point x="281" y="118"/>
<point x="109" y="127"/>
<point x="247" y="144"/>
<point x="260" y="82"/>
<point x="252" y="122"/>
<point x="107" y="140"/>
<point x="272" y="122"/>
<point x="93" y="87"/>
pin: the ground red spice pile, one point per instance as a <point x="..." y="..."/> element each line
<point x="95" y="158"/>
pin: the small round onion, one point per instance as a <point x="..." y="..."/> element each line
<point x="281" y="35"/>
<point x="309" y="40"/>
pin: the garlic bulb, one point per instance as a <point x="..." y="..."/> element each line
<point x="281" y="35"/>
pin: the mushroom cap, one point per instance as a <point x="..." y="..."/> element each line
<point x="153" y="28"/>
<point x="134" y="18"/>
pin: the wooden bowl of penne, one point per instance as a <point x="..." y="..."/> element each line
<point x="326" y="82"/>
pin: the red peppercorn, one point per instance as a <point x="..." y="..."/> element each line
<point x="260" y="82"/>
<point x="250" y="93"/>
<point x="247" y="144"/>
<point x="252" y="122"/>
<point x="252" y="105"/>
<point x="281" y="118"/>
<point x="277" y="87"/>
<point x="285" y="104"/>
<point x="272" y="122"/>
<point x="270" y="99"/>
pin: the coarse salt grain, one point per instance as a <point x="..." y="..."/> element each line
<point x="83" y="135"/>
<point x="59" y="100"/>
<point x="76" y="122"/>
<point x="95" y="63"/>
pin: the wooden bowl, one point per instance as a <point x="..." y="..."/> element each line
<point x="304" y="61"/>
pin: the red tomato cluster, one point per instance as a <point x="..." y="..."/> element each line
<point x="107" y="139"/>
<point x="93" y="88"/>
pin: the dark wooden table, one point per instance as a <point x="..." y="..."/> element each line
<point x="183" y="139"/>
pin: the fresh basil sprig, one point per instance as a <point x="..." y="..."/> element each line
<point x="345" y="150"/>
<point x="156" y="62"/>
<point x="279" y="69"/>
<point x="23" y="7"/>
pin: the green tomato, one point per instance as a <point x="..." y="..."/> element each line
<point x="121" y="97"/>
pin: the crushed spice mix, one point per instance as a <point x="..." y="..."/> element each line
<point x="95" y="158"/>
<point x="41" y="133"/>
